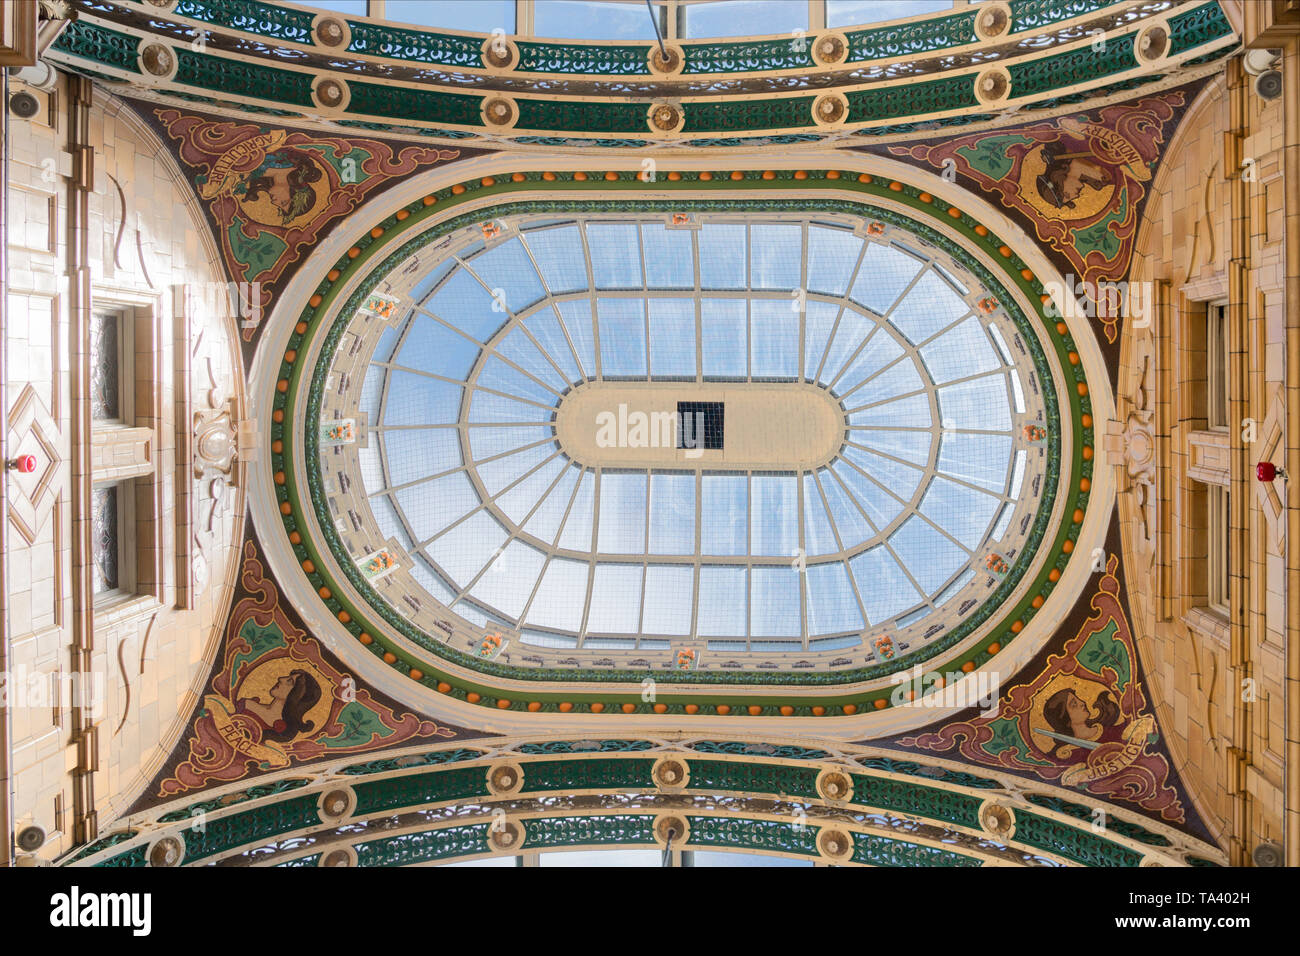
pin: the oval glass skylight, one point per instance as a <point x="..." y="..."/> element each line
<point x="505" y="524"/>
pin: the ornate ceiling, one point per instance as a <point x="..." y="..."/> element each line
<point x="471" y="580"/>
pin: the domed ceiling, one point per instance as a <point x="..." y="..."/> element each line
<point x="782" y="444"/>
<point x="496" y="459"/>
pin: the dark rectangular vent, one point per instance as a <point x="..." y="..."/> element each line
<point x="699" y="424"/>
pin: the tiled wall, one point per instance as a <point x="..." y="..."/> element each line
<point x="146" y="242"/>
<point x="1227" y="746"/>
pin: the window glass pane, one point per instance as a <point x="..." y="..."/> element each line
<point x="593" y="20"/>
<point x="774" y="602"/>
<point x="560" y="258"/>
<point x="725" y="522"/>
<point x="104" y="539"/>
<point x="669" y="596"/>
<point x="482" y="16"/>
<point x="622" y="338"/>
<point x="847" y="13"/>
<point x="622" y="524"/>
<point x="615" y="599"/>
<point x="738" y="18"/>
<point x="105" y="366"/>
<point x="724" y="331"/>
<point x="774" y="515"/>
<point x="509" y="580"/>
<point x="774" y="339"/>
<point x="723" y="606"/>
<point x="672" y="337"/>
<point x="669" y="257"/>
<point x="831" y="605"/>
<point x="672" y="514"/>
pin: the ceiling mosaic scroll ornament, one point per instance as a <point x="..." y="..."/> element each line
<point x="1078" y="180"/>
<point x="272" y="194"/>
<point x="276" y="699"/>
<point x="1083" y="721"/>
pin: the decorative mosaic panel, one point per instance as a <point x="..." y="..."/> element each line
<point x="272" y="193"/>
<point x="1078" y="716"/>
<point x="1077" y="182"/>
<point x="277" y="699"/>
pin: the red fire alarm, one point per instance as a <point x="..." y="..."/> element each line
<point x="1266" y="471"/>
<point x="25" y="464"/>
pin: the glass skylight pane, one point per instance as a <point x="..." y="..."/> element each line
<point x="431" y="506"/>
<point x="464" y="550"/>
<point x="390" y="523"/>
<point x="1001" y="343"/>
<point x="587" y="20"/>
<point x="669" y="599"/>
<point x="496" y="475"/>
<point x="832" y="254"/>
<point x="930" y="306"/>
<point x="899" y="478"/>
<point x="509" y="579"/>
<point x="723" y="254"/>
<point x="519" y="500"/>
<point x="911" y="412"/>
<point x="615" y="599"/>
<point x="485" y="442"/>
<point x="615" y="255"/>
<point x="622" y="526"/>
<point x="882" y="277"/>
<point x="848" y="13"/>
<point x="507" y="267"/>
<point x="881" y="507"/>
<point x="774" y="339"/>
<point x="723" y="604"/>
<point x="546" y="328"/>
<point x="576" y="316"/>
<point x="898" y="379"/>
<point x="622" y="337"/>
<point x="736" y="18"/>
<point x="961" y="351"/>
<point x="725" y="509"/>
<point x="1017" y="476"/>
<point x="672" y="337"/>
<point x="483" y="16"/>
<point x="387" y="342"/>
<point x="775" y="256"/>
<point x="419" y="452"/>
<point x="880" y="350"/>
<point x="1004" y="519"/>
<point x="562" y="596"/>
<point x="560" y="258"/>
<point x="419" y="400"/>
<point x="576" y="535"/>
<point x="852" y="331"/>
<point x="420" y="291"/>
<point x="979" y="404"/>
<point x="669" y="257"/>
<point x="963" y="512"/>
<point x="496" y="409"/>
<point x="672" y="514"/>
<point x="724" y="330"/>
<point x="980" y="459"/>
<point x="1017" y="392"/>
<point x="818" y="537"/>
<point x="913" y="446"/>
<point x="536" y="639"/>
<point x="885" y="589"/>
<point x="496" y="374"/>
<point x="371" y="391"/>
<point x="819" y="322"/>
<point x="952" y="589"/>
<point x="463" y="303"/>
<point x="831" y="605"/>
<point x="430" y="580"/>
<point x="774" y="602"/>
<point x="931" y="557"/>
<point x="545" y="521"/>
<point x="519" y="349"/>
<point x="774" y="515"/>
<point x="372" y="471"/>
<point x="853" y="528"/>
